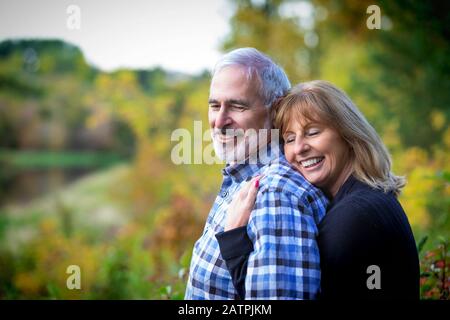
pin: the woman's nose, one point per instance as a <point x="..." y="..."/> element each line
<point x="301" y="146"/>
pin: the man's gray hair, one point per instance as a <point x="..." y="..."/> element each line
<point x="273" y="81"/>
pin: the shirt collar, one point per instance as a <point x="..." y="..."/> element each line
<point x="242" y="171"/>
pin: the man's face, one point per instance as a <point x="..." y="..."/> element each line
<point x="235" y="107"/>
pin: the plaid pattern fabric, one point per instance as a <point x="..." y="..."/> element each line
<point x="285" y="263"/>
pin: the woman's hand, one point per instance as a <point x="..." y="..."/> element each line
<point x="242" y="205"/>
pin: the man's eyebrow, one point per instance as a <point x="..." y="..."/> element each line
<point x="239" y="102"/>
<point x="232" y="101"/>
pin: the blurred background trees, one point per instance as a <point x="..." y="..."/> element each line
<point x="85" y="170"/>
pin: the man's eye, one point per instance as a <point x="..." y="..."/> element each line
<point x="238" y="108"/>
<point x="214" y="106"/>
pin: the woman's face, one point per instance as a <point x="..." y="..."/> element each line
<point x="318" y="153"/>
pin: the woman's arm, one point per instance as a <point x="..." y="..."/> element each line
<point x="235" y="245"/>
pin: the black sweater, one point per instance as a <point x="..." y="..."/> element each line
<point x="363" y="227"/>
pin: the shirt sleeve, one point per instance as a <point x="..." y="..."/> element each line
<point x="285" y="262"/>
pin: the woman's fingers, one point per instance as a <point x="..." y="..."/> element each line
<point x="249" y="191"/>
<point x="253" y="190"/>
<point x="243" y="193"/>
<point x="242" y="205"/>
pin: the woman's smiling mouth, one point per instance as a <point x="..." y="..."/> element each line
<point x="311" y="162"/>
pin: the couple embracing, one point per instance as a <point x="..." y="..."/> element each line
<point x="318" y="216"/>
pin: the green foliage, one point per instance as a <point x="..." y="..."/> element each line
<point x="407" y="63"/>
<point x="121" y="256"/>
<point x="39" y="160"/>
<point x="434" y="277"/>
<point x="263" y="26"/>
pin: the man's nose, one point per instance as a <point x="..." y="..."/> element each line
<point x="222" y="118"/>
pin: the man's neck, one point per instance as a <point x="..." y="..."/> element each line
<point x="256" y="156"/>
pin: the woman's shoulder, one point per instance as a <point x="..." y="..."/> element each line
<point x="355" y="223"/>
<point x="360" y="195"/>
<point x="365" y="207"/>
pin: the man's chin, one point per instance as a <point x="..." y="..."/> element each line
<point x="231" y="153"/>
<point x="230" y="156"/>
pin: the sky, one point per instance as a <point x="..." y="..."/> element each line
<point x="179" y="35"/>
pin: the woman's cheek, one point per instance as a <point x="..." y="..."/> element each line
<point x="288" y="153"/>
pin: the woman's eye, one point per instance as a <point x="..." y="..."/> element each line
<point x="313" y="132"/>
<point x="289" y="139"/>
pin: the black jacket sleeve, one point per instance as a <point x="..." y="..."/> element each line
<point x="235" y="247"/>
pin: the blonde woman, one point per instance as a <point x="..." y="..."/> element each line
<point x="367" y="248"/>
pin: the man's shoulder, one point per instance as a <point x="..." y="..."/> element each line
<point x="280" y="176"/>
<point x="284" y="186"/>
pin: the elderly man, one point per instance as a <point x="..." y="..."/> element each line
<point x="282" y="229"/>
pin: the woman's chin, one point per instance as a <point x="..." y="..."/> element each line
<point x="314" y="178"/>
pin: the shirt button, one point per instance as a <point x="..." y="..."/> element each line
<point x="224" y="194"/>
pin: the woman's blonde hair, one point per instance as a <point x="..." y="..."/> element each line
<point x="320" y="101"/>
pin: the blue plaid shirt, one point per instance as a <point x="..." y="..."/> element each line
<point x="285" y="262"/>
